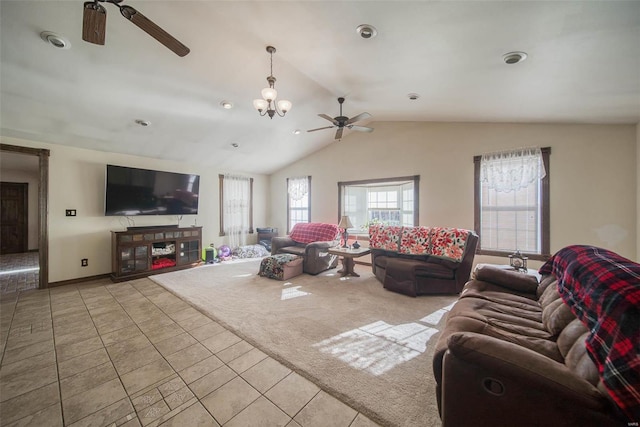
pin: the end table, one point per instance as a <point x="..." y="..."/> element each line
<point x="348" y="254"/>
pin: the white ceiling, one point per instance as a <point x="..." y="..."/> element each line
<point x="583" y="67"/>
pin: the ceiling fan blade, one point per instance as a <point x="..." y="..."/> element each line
<point x="359" y="117"/>
<point x="94" y="23"/>
<point x="154" y="30"/>
<point x="331" y="119"/>
<point x="339" y="133"/>
<point x="326" y="127"/>
<point x="360" y="128"/>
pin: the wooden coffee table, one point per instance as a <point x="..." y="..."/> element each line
<point x="348" y="255"/>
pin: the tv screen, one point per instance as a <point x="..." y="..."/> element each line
<point x="131" y="191"/>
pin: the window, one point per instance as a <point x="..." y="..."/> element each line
<point x="512" y="202"/>
<point x="298" y="201"/>
<point x="236" y="208"/>
<point x="392" y="201"/>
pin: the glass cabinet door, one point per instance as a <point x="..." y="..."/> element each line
<point x="189" y="252"/>
<point x="134" y="258"/>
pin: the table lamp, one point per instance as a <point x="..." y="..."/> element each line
<point x="345" y="223"/>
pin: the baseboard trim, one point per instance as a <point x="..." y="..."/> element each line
<point x="78" y="280"/>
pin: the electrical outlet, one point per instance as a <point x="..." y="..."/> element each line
<point x="70" y="212"/>
<point x="84" y="262"/>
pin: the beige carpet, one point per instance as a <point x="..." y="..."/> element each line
<point x="367" y="346"/>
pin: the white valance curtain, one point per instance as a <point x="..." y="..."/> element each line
<point x="512" y="170"/>
<point x="237" y="195"/>
<point x="298" y="187"/>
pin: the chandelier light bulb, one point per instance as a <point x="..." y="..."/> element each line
<point x="260" y="104"/>
<point x="284" y="105"/>
<point x="269" y="94"/>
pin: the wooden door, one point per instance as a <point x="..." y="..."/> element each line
<point x="13" y="217"/>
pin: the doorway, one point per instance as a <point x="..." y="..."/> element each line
<point x="43" y="206"/>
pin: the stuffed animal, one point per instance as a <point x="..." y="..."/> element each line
<point x="224" y="253"/>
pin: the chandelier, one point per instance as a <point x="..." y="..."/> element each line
<point x="268" y="105"/>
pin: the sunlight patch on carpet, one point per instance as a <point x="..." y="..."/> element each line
<point x="435" y="317"/>
<point x="378" y="347"/>
<point x="290" y="293"/>
<point x="243" y="275"/>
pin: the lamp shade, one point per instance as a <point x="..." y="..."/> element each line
<point x="284" y="105"/>
<point x="345" y="223"/>
<point x="269" y="93"/>
<point x="260" y="104"/>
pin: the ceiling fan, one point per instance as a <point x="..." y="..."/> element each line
<point x="94" y="25"/>
<point x="342" y="122"/>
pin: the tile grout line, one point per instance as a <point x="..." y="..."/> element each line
<point x="154" y="346"/>
<point x="238" y="375"/>
<point x="13" y="315"/>
<point x="212" y="353"/>
<point x="55" y="352"/>
<point x="106" y="287"/>
<point x="82" y="298"/>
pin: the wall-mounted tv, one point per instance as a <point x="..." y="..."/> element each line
<point x="131" y="191"/>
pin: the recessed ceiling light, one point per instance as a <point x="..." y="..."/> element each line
<point x="514" y="57"/>
<point x="227" y="105"/>
<point x="413" y="96"/>
<point x="367" y="31"/>
<point x="55" y="40"/>
<point x="297" y="132"/>
<point x="143" y="123"/>
<point x="235" y="145"/>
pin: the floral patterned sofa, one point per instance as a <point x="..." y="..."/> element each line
<point x="422" y="260"/>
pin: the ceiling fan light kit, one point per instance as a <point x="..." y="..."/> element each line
<point x="94" y="25"/>
<point x="268" y="105"/>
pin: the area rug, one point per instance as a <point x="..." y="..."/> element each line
<point x="367" y="346"/>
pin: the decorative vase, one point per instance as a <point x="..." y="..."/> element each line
<point x="355" y="245"/>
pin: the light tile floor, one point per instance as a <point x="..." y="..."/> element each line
<point x="19" y="272"/>
<point x="131" y="354"/>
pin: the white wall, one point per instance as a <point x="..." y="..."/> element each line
<point x="592" y="172"/>
<point x="76" y="181"/>
<point x="595" y="190"/>
<point x="12" y="175"/>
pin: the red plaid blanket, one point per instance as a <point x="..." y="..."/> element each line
<point x="314" y="232"/>
<point x="603" y="290"/>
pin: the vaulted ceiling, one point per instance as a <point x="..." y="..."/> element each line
<point x="583" y="66"/>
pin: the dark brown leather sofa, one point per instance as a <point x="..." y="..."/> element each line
<point x="310" y="241"/>
<point x="512" y="353"/>
<point x="416" y="274"/>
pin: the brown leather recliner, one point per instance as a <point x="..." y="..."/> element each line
<point x="316" y="257"/>
<point x="512" y="353"/>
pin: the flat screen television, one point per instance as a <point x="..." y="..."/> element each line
<point x="131" y="191"/>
